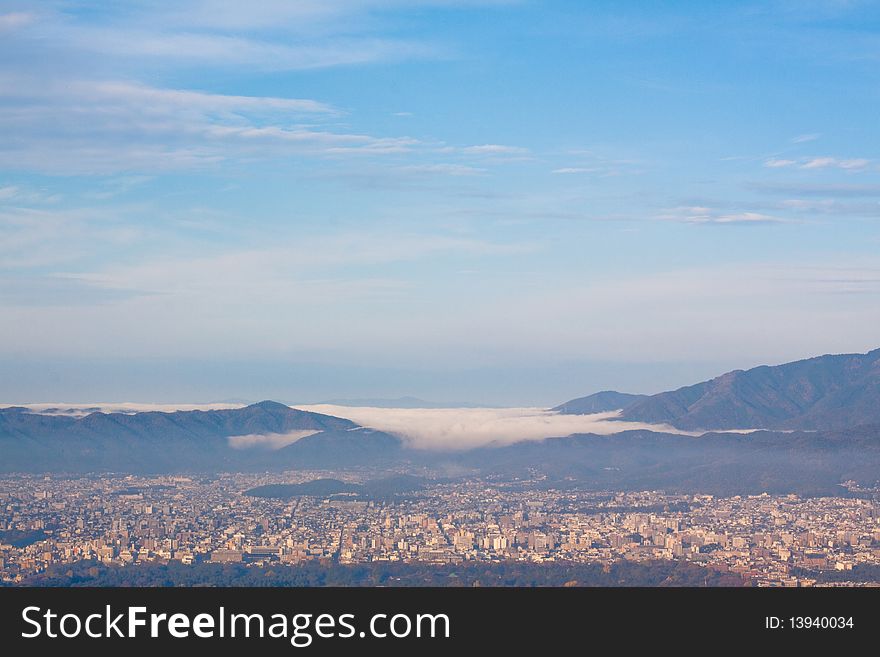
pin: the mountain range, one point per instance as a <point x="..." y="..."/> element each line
<point x="812" y="425"/>
<point x="827" y="392"/>
<point x="184" y="440"/>
<point x="599" y="402"/>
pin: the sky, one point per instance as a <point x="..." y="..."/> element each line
<point x="500" y="202"/>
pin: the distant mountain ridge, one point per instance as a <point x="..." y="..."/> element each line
<point x="599" y="402"/>
<point x="261" y="418"/>
<point x="819" y="421"/>
<point x="827" y="392"/>
<point x="181" y="440"/>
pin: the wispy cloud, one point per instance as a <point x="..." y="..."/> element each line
<point x="832" y="207"/>
<point x="303" y="270"/>
<point x="778" y="163"/>
<point x="816" y="189"/>
<point x="708" y="215"/>
<point x="576" y="170"/>
<point x="55" y="120"/>
<point x="301" y="16"/>
<point x="51" y="236"/>
<point x="802" y="139"/>
<point x="26" y="195"/>
<point x="267" y="35"/>
<point x="215" y="50"/>
<point x="588" y="161"/>
<point x="825" y="162"/>
<point x="58" y="290"/>
<point x="164" y="100"/>
<point x="16" y="19"/>
<point x="99" y="126"/>
<point x="494" y="149"/>
<point x="445" y="169"/>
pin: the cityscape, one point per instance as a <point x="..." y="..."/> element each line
<point x="128" y="521"/>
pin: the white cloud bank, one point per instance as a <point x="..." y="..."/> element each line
<point x="467" y="428"/>
<point x="270" y="441"/>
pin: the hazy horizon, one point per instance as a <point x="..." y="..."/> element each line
<point x="276" y="386"/>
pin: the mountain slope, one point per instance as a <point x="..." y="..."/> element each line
<point x="807" y="463"/>
<point x="600" y="402"/>
<point x="826" y="392"/>
<point x="182" y="440"/>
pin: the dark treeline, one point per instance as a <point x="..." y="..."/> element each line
<point x="21" y="538"/>
<point x="863" y="573"/>
<point x="324" y="573"/>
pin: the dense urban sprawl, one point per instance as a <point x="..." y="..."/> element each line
<point x="127" y="520"/>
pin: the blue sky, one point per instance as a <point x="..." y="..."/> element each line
<point x="501" y="202"/>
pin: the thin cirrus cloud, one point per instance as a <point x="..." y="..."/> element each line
<point x="220" y="49"/>
<point x="230" y="14"/>
<point x="163" y="100"/>
<point x="263" y="35"/>
<point x="288" y="270"/>
<point x="445" y="169"/>
<point x="832" y="207"/>
<point x="575" y="170"/>
<point x="302" y="15"/>
<point x="846" y="164"/>
<point x="593" y="162"/>
<point x="52" y="235"/>
<point x="56" y="290"/>
<point x="494" y="149"/>
<point x="68" y="125"/>
<point x="779" y="163"/>
<point x="825" y="162"/>
<point x="486" y="153"/>
<point x="16" y="19"/>
<point x="832" y="190"/>
<point x="832" y="308"/>
<point x="107" y="126"/>
<point x="706" y="215"/>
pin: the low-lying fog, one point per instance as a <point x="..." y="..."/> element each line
<point x="466" y="428"/>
